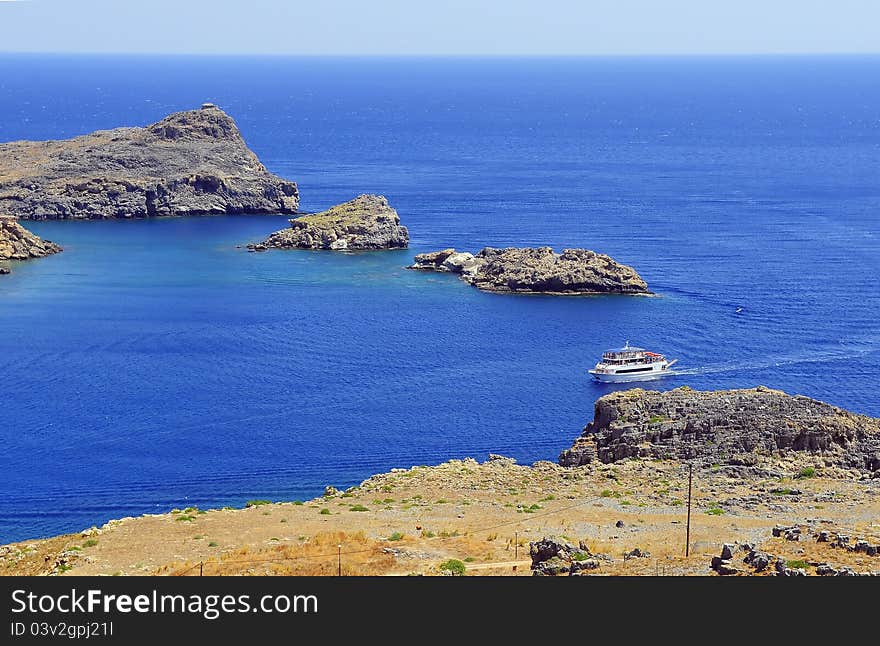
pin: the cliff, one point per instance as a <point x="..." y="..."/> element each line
<point x="17" y="243"/>
<point x="536" y="270"/>
<point x="731" y="426"/>
<point x="189" y="163"/>
<point x="366" y="223"/>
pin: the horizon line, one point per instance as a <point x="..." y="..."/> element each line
<point x="792" y="54"/>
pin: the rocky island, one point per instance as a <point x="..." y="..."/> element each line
<point x="189" y="163"/>
<point x="536" y="270"/>
<point x="732" y="427"/>
<point x="366" y="223"/>
<point x="17" y="243"/>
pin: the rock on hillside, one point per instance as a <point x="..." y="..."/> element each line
<point x="366" y="223"/>
<point x="189" y="163"/>
<point x="732" y="426"/>
<point x="536" y="270"/>
<point x="17" y="243"/>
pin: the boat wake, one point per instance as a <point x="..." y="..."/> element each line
<point x="826" y="356"/>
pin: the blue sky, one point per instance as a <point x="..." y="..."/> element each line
<point x="441" y="27"/>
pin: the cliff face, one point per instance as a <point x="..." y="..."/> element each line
<point x="366" y="223"/>
<point x="17" y="243"/>
<point x="724" y="426"/>
<point x="538" y="270"/>
<point x="189" y="163"/>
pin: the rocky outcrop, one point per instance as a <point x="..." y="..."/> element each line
<point x="17" y="243"/>
<point x="552" y="556"/>
<point x="536" y="270"/>
<point x="366" y="223"/>
<point x="732" y="426"/>
<point x="189" y="163"/>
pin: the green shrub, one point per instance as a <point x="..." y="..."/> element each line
<point x="454" y="567"/>
<point x="656" y="419"/>
<point x="185" y="518"/>
<point x="358" y="508"/>
<point x="714" y="511"/>
<point x="257" y="503"/>
<point x="297" y="502"/>
<point x="90" y="543"/>
<point x="798" y="565"/>
<point x="324" y="512"/>
<point x="606" y="493"/>
<point x="396" y="536"/>
<point x="212" y="544"/>
<point x="806" y="472"/>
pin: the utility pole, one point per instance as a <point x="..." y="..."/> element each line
<point x="516" y="546"/>
<point x="687" y="545"/>
<point x="339" y="560"/>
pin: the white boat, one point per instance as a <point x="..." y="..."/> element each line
<point x="631" y="364"/>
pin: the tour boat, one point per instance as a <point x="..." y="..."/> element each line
<point x="631" y="364"/>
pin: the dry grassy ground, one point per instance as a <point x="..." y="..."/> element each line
<point x="411" y="521"/>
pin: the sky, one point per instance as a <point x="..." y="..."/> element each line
<point x="441" y="27"/>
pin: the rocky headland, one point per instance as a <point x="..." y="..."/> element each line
<point x="189" y="163"/>
<point x="366" y="223"/>
<point x="17" y="243"/>
<point x="536" y="270"/>
<point x="730" y="427"/>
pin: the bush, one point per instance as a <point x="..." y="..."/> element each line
<point x="90" y="543"/>
<point x="257" y="503"/>
<point x="358" y="508"/>
<point x="454" y="567"/>
<point x="796" y="565"/>
<point x="396" y="536"/>
<point x="324" y="512"/>
<point x="806" y="472"/>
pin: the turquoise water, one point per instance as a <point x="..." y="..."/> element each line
<point x="154" y="364"/>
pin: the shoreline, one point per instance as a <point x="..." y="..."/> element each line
<point x="408" y="521"/>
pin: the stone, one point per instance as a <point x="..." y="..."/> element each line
<point x="580" y="566"/>
<point x="536" y="270"/>
<point x="713" y="426"/>
<point x="548" y="548"/>
<point x="636" y="553"/>
<point x="366" y="223"/>
<point x="551" y="567"/>
<point x="619" y="523"/>
<point x="727" y="551"/>
<point x="194" y="162"/>
<point x="824" y="536"/>
<point x="330" y="490"/>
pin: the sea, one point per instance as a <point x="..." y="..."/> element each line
<point x="157" y="364"/>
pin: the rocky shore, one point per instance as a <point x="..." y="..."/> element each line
<point x="536" y="270"/>
<point x="732" y="427"/>
<point x="17" y="243"/>
<point x="366" y="223"/>
<point x="189" y="163"/>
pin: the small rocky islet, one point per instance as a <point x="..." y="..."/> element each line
<point x="536" y="270"/>
<point x="366" y="223"/>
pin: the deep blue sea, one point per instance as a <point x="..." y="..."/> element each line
<point x="154" y="364"/>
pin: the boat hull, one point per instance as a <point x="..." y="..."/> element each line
<point x="607" y="378"/>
